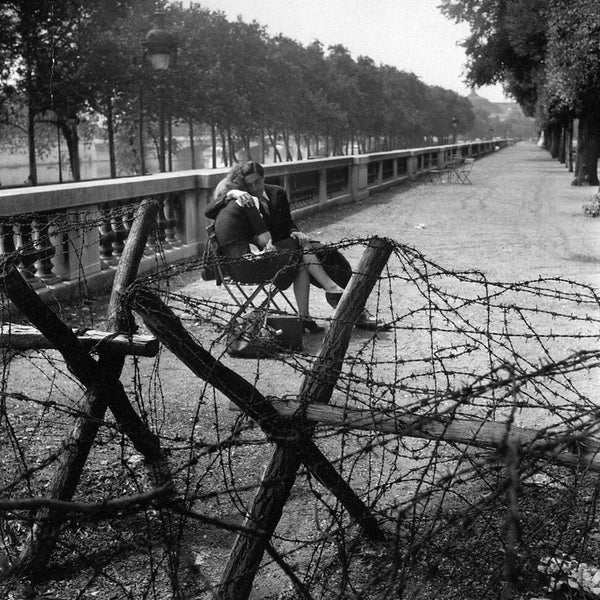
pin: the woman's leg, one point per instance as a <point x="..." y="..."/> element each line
<point x="301" y="293"/>
<point x="314" y="268"/>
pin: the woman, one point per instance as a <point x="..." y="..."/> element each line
<point x="239" y="225"/>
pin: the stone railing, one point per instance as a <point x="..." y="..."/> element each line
<point x="72" y="235"/>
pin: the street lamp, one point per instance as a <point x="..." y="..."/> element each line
<point x="160" y="50"/>
<point x="454" y="127"/>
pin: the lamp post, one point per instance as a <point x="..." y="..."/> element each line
<point x="454" y="127"/>
<point x="60" y="177"/>
<point x="160" y="50"/>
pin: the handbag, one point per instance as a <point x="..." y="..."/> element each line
<point x="252" y="337"/>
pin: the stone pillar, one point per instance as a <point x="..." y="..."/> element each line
<point x="195" y="223"/>
<point x="441" y="159"/>
<point x="359" y="178"/>
<point x="84" y="244"/>
<point x="412" y="166"/>
<point x="322" y="185"/>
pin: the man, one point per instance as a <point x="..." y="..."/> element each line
<point x="245" y="183"/>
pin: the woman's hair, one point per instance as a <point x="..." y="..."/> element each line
<point x="235" y="178"/>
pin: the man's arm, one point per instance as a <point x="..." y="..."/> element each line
<point x="222" y="195"/>
<point x="285" y="211"/>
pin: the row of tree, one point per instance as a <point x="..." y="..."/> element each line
<point x="76" y="67"/>
<point x="547" y="54"/>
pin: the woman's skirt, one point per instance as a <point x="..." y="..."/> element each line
<point x="281" y="266"/>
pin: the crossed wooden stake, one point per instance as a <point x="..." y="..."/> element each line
<point x="292" y="436"/>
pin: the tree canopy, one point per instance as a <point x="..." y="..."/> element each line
<point x="68" y="62"/>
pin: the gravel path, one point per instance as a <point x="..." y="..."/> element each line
<point x="520" y="219"/>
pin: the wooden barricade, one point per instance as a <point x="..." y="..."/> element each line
<point x="290" y="424"/>
<point x="103" y="388"/>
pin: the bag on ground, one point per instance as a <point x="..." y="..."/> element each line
<point x="251" y="337"/>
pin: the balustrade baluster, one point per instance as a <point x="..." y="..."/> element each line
<point x="26" y="250"/>
<point x="119" y="231"/>
<point x="106" y="239"/>
<point x="162" y="225"/>
<point x="59" y="238"/>
<point x="171" y="206"/>
<point x="44" y="250"/>
<point x="7" y="242"/>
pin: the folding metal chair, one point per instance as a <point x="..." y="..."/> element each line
<point x="463" y="172"/>
<point x="246" y="296"/>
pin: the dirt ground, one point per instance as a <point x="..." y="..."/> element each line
<point x="519" y="221"/>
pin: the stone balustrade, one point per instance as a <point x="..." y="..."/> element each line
<point x="72" y="235"/>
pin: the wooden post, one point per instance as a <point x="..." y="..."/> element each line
<point x="103" y="389"/>
<point x="247" y="552"/>
<point x="319" y="382"/>
<point x="567" y="448"/>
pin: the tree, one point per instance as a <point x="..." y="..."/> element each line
<point x="548" y="56"/>
<point x="507" y="44"/>
<point x="573" y="78"/>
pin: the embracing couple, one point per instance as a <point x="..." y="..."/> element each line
<point x="253" y="223"/>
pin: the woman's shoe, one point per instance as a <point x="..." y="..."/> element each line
<point x="311" y="326"/>
<point x="333" y="298"/>
<point x="370" y="323"/>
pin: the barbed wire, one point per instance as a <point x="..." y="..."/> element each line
<point x="479" y="431"/>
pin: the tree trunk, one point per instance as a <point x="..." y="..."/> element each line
<point x="554" y="140"/>
<point x="570" y="145"/>
<point x="562" y="144"/>
<point x="192" y="147"/>
<point x="276" y="155"/>
<point x="547" y="136"/>
<point x="213" y="141"/>
<point x="31" y="144"/>
<point x="298" y="139"/>
<point x="286" y="144"/>
<point x="246" y="142"/>
<point x="141" y="134"/>
<point x="224" y="156"/>
<point x="69" y="129"/>
<point x="170" y="142"/>
<point x="111" y="138"/>
<point x="232" y="156"/>
<point x="588" y="147"/>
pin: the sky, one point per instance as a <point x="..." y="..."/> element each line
<point x="411" y="35"/>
